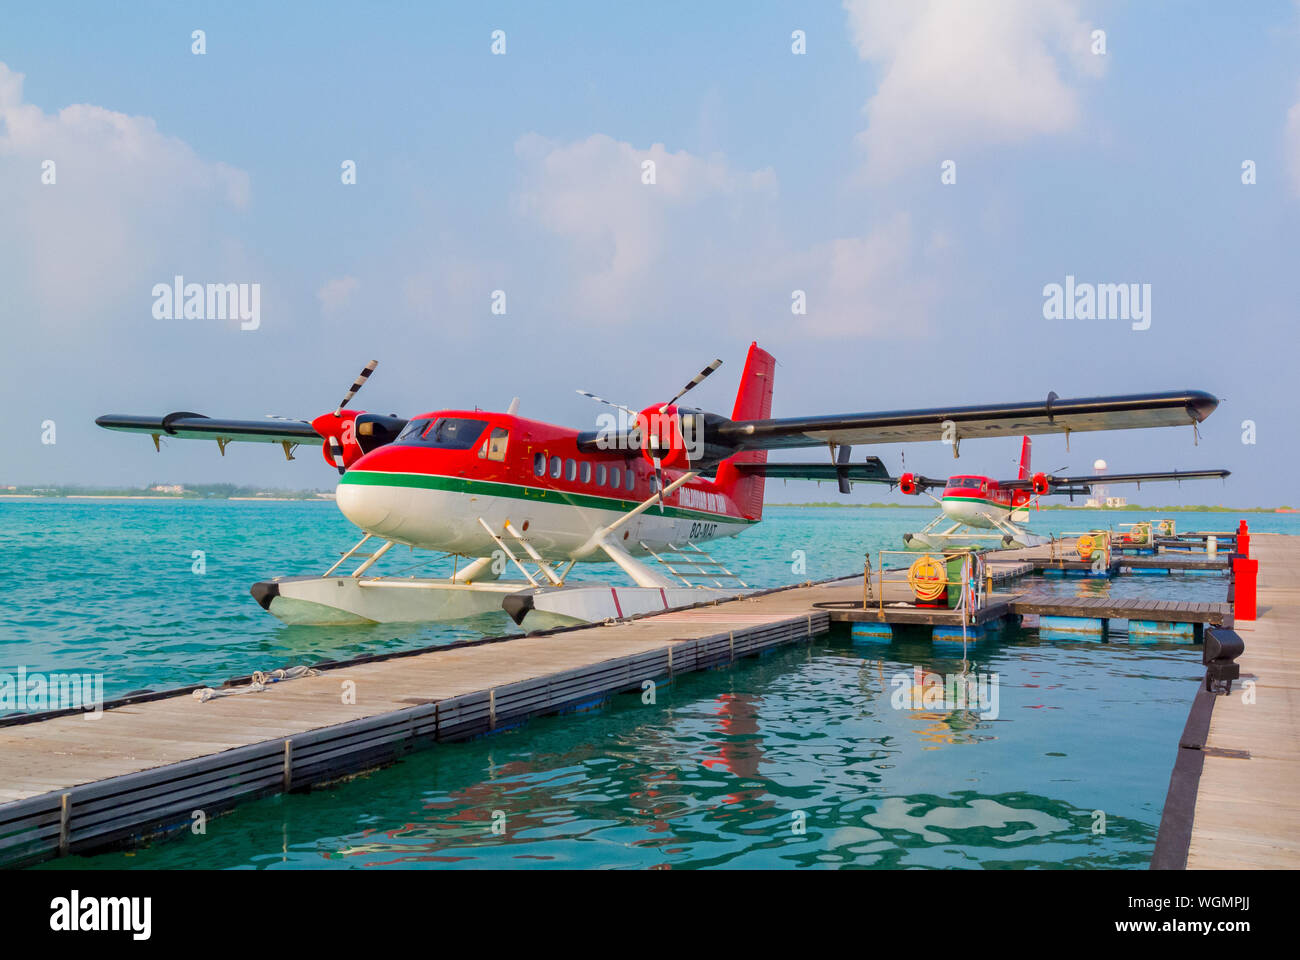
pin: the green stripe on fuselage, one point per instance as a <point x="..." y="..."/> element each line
<point x="489" y="488"/>
<point x="991" y="503"/>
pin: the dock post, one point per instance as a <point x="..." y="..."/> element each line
<point x="288" y="764"/>
<point x="65" y="815"/>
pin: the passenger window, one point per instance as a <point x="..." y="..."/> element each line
<point x="654" y="483"/>
<point x="631" y="479"/>
<point x="586" y="472"/>
<point x="556" y="465"/>
<point x="600" y="474"/>
<point x="570" y="470"/>
<point x="615" y="477"/>
<point x="495" y="447"/>
<point x="539" y="464"/>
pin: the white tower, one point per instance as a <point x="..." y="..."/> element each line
<point x="1098" y="491"/>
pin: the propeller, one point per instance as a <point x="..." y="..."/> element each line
<point x="334" y="449"/>
<point x="357" y="384"/>
<point x="653" y="438"/>
<point x="694" y="382"/>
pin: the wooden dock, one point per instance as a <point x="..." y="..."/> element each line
<point x="1237" y="778"/>
<point x="1124" y="608"/>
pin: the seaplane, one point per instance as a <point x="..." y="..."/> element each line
<point x="980" y="508"/>
<point x="497" y="492"/>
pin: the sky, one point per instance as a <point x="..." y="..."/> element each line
<point x="921" y="172"/>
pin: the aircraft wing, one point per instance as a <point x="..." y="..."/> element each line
<point x="1053" y="415"/>
<point x="1085" y="484"/>
<point x="195" y="426"/>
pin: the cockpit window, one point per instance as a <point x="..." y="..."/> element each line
<point x="444" y="433"/>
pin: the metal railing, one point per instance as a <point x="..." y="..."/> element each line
<point x="975" y="580"/>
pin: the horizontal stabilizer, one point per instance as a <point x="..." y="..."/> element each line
<point x="870" y="469"/>
<point x="1085" y="484"/>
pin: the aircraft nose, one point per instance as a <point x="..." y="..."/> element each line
<point x="367" y="506"/>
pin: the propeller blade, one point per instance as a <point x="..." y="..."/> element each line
<point x="336" y="454"/>
<point x="357" y="384"/>
<point x="695" y="382"/>
<point x="611" y="403"/>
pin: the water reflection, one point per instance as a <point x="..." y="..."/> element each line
<point x="795" y="759"/>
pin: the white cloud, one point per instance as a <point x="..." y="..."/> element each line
<point x="955" y="74"/>
<point x="336" y="294"/>
<point x="878" y="284"/>
<point x="591" y="191"/>
<point x="698" y="248"/>
<point x="127" y="204"/>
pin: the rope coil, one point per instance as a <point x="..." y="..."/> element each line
<point x="928" y="578"/>
<point x="259" y="682"/>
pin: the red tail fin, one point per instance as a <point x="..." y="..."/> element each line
<point x="753" y="402"/>
<point x="1024" y="459"/>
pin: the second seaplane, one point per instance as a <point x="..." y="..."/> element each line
<point x="500" y="492"/>
<point x="980" y="508"/>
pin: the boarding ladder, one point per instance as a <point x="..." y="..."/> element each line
<point x="543" y="568"/>
<point x="691" y="565"/>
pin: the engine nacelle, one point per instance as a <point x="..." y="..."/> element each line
<point x="907" y="484"/>
<point x="660" y="432"/>
<point x="340" y="448"/>
<point x="1040" y="484"/>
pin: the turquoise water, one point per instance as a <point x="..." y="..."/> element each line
<point x="715" y="773"/>
<point x="108" y="586"/>
<point x="719" y="772"/>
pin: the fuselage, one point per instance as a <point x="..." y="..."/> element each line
<point x="979" y="501"/>
<point x="449" y="468"/>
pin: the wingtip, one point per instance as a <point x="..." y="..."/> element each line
<point x="1201" y="404"/>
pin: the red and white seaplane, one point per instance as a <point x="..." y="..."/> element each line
<point x="981" y="503"/>
<point x="504" y="492"/>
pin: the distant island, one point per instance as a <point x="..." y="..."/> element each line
<point x="1186" y="508"/>
<point x="163" y="491"/>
